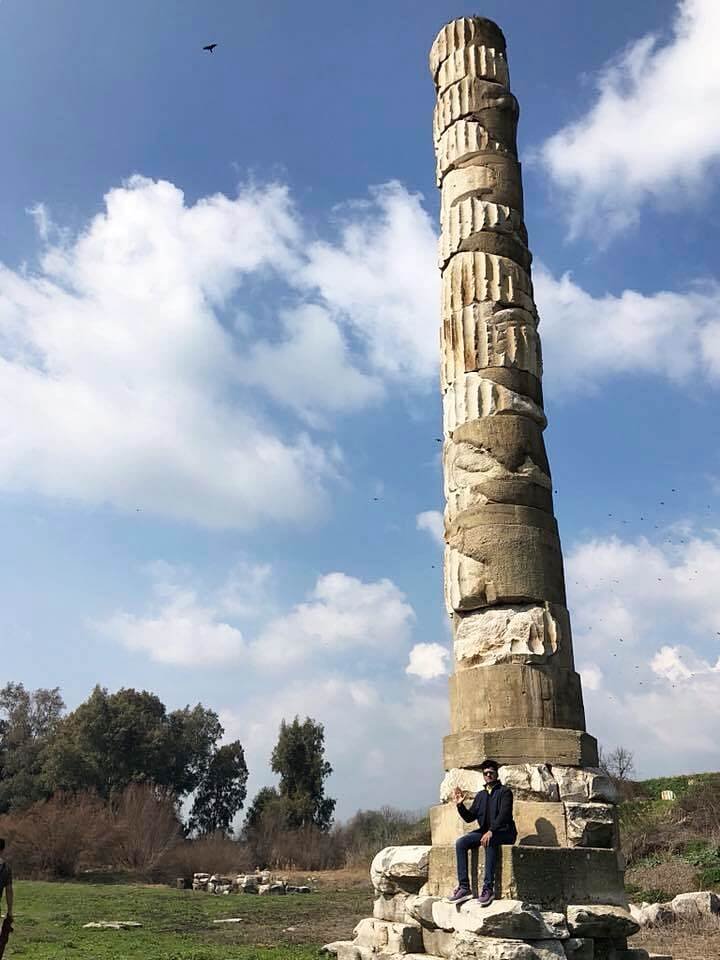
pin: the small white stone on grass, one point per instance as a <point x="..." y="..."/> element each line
<point x="112" y="925"/>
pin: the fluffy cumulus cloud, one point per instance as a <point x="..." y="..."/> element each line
<point x="431" y="521"/>
<point x="187" y="626"/>
<point x="143" y="361"/>
<point x="381" y="276"/>
<point x="117" y="380"/>
<point x="653" y="129"/>
<point x="341" y="614"/>
<point x="310" y="369"/>
<point x="588" y="339"/>
<point x="647" y="638"/>
<point x="428" y="660"/>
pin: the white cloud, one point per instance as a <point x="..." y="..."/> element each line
<point x="342" y="613"/>
<point x="182" y="632"/>
<point x="117" y="380"/>
<point x="382" y="279"/>
<point x="133" y="372"/>
<point x="588" y="339"/>
<point x="311" y="369"/>
<point x="428" y="660"/>
<point x="432" y="522"/>
<point x="188" y="626"/>
<point x="631" y="602"/>
<point x="592" y="676"/>
<point x="653" y="130"/>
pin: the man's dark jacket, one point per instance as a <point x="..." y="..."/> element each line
<point x="493" y="811"/>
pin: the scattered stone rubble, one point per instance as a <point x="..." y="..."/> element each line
<point x="410" y="924"/>
<point x="686" y="906"/>
<point x="259" y="883"/>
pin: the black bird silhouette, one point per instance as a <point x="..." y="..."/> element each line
<point x="210" y="47"/>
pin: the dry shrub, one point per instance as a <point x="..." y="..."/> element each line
<point x="146" y="826"/>
<point x="214" y="853"/>
<point x="694" y="940"/>
<point x="371" y="830"/>
<point x="56" y="837"/>
<point x="307" y="848"/>
<point x="664" y="880"/>
<point x="700" y="807"/>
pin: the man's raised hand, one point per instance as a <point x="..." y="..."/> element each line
<point x="458" y="796"/>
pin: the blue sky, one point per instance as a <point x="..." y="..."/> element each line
<point x="219" y="478"/>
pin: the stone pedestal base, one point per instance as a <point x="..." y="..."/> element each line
<point x="552" y="904"/>
<point x="550" y="877"/>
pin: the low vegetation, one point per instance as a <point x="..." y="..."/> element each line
<point x="672" y="846"/>
<point x="138" y="835"/>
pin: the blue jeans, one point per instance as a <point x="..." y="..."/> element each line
<point x="470" y="841"/>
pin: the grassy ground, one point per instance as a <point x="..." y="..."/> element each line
<point x="177" y="925"/>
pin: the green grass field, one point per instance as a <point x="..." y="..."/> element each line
<point x="177" y="925"/>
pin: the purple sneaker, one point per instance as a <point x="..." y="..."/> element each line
<point x="486" y="897"/>
<point x="460" y="895"/>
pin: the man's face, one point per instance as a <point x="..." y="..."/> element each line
<point x="490" y="775"/>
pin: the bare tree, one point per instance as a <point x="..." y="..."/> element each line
<point x="618" y="763"/>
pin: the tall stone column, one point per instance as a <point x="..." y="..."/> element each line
<point x="515" y="696"/>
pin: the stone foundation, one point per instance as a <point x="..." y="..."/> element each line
<point x="537" y="917"/>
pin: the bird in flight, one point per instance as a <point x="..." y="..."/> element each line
<point x="210" y="47"/>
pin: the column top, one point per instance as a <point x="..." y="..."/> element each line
<point x="465" y="32"/>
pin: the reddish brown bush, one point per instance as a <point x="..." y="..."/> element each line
<point x="208" y="854"/>
<point x="146" y="826"/>
<point x="56" y="837"/>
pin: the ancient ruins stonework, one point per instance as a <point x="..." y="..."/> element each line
<point x="514" y="695"/>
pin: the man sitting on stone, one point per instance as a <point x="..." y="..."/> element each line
<point x="493" y="810"/>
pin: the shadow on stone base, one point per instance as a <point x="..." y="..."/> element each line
<point x="550" y="877"/>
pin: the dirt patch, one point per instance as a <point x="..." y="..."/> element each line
<point x="349" y="878"/>
<point x="662" y="881"/>
<point x="683" y="941"/>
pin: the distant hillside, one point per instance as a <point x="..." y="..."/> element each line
<point x="679" y="784"/>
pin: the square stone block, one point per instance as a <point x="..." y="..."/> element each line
<point x="550" y="877"/>
<point x="514" y="745"/>
<point x="515" y="694"/>
<point x="539" y="824"/>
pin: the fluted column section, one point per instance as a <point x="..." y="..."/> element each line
<point x="514" y="693"/>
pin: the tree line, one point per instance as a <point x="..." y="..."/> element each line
<point x="122" y="784"/>
<point x="112" y="741"/>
